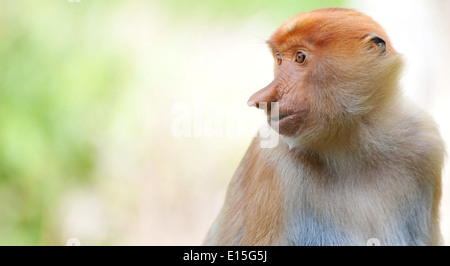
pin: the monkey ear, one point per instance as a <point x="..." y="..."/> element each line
<point x="376" y="42"/>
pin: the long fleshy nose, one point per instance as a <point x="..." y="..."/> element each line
<point x="266" y="95"/>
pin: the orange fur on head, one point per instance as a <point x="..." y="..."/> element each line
<point x="343" y="68"/>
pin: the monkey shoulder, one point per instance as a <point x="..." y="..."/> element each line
<point x="412" y="165"/>
<point x="416" y="144"/>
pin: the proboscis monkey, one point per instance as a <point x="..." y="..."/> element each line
<point x="356" y="161"/>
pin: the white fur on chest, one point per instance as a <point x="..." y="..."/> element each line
<point x="327" y="208"/>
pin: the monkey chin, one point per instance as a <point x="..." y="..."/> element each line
<point x="288" y="126"/>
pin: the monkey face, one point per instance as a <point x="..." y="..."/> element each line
<point x="288" y="89"/>
<point x="326" y="63"/>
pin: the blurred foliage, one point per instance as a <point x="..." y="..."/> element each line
<point x="58" y="82"/>
<point x="238" y="10"/>
<point x="61" y="76"/>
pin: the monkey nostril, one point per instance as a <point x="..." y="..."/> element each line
<point x="252" y="104"/>
<point x="259" y="105"/>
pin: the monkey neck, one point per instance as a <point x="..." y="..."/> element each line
<point x="352" y="143"/>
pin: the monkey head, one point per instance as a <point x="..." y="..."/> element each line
<point x="332" y="67"/>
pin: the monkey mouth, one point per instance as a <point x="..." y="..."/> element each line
<point x="286" y="124"/>
<point x="277" y="118"/>
<point x="281" y="123"/>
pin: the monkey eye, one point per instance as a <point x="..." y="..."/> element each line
<point x="279" y="58"/>
<point x="300" y="57"/>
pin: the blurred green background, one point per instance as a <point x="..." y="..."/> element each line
<point x="86" y="91"/>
